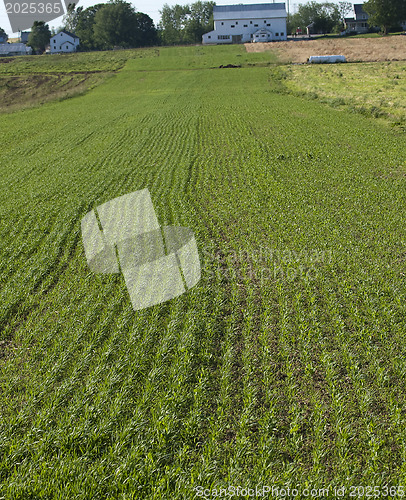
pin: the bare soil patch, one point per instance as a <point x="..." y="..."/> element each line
<point x="391" y="48"/>
<point x="18" y="92"/>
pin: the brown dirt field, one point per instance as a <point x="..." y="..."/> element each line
<point x="391" y="48"/>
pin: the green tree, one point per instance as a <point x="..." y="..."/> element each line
<point x="385" y="13"/>
<point x="344" y="9"/>
<point x="322" y="16"/>
<point x="39" y="36"/>
<point x="173" y="23"/>
<point x="145" y="31"/>
<point x="117" y="24"/>
<point x="294" y="21"/>
<point x="71" y="18"/>
<point x="84" y="27"/>
<point x="182" y="24"/>
<point x="3" y="35"/>
<point x="200" y="21"/>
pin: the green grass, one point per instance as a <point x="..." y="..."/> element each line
<point x="199" y="57"/>
<point x="66" y="63"/>
<point x="33" y="80"/>
<point x="285" y="365"/>
<point x="376" y="89"/>
<point x="30" y="81"/>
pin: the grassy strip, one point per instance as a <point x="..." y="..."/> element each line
<point x="66" y="63"/>
<point x="376" y="90"/>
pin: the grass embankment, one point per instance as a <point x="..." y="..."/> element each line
<point x="375" y="90"/>
<point x="285" y="365"/>
<point x="28" y="81"/>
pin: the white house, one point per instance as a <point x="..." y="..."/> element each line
<point x="358" y="23"/>
<point x="63" y="42"/>
<point x="261" y="22"/>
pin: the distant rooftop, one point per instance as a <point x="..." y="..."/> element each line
<point x="242" y="8"/>
<point x="6" y="48"/>
<point x="358" y="8"/>
<point x="66" y="33"/>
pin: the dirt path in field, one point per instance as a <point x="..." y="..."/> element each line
<point x="391" y="48"/>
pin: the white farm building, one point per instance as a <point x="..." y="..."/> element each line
<point x="261" y="22"/>
<point x="63" y="42"/>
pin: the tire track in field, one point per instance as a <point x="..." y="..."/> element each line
<point x="52" y="273"/>
<point x="228" y="406"/>
<point x="67" y="357"/>
<point x="242" y="367"/>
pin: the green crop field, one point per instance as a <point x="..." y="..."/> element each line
<point x="285" y="366"/>
<point x="375" y="89"/>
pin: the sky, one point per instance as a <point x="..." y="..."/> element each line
<point x="150" y="7"/>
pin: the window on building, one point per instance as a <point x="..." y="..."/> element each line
<point x="255" y="25"/>
<point x="250" y="22"/>
<point x="245" y="25"/>
<point x="264" y="22"/>
<point x="54" y="47"/>
<point x="222" y="24"/>
<point x="281" y="34"/>
<point x="60" y="48"/>
<point x="269" y="24"/>
<point x="223" y="37"/>
<point x="276" y="34"/>
<point x="252" y="36"/>
<point x="209" y="36"/>
<point x="236" y="22"/>
<point x="232" y="26"/>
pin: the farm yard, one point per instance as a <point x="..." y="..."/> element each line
<point x="284" y="366"/>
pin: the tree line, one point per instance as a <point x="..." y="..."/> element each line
<point x="328" y="17"/>
<point x="105" y="26"/>
<point x="388" y="14"/>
